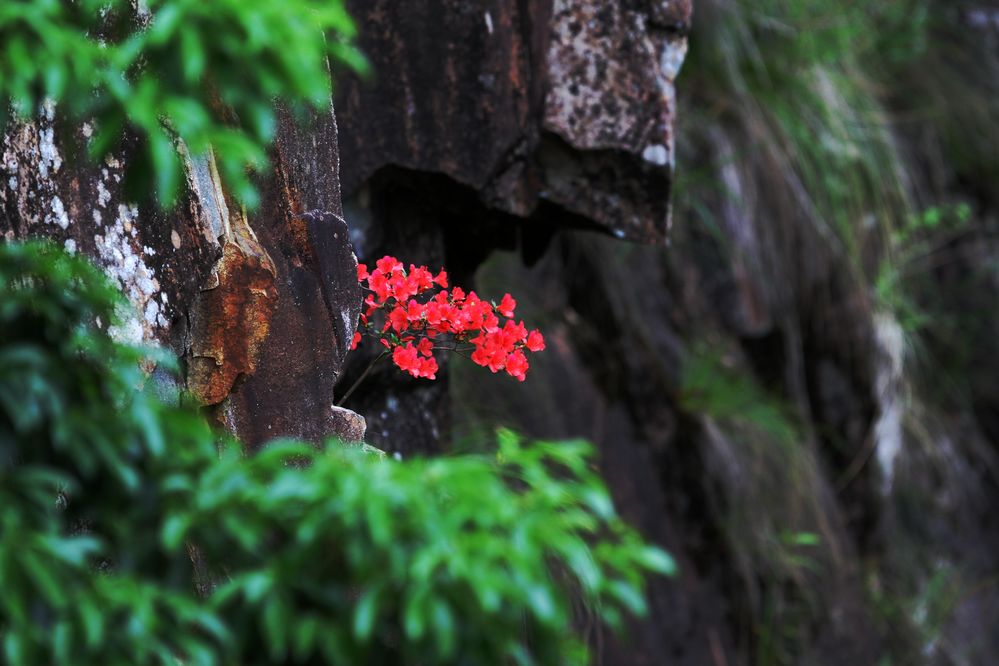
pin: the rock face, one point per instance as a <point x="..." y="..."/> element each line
<point x="491" y="124"/>
<point x="495" y="125"/>
<point x="260" y="306"/>
<point x="563" y="101"/>
<point x="750" y="400"/>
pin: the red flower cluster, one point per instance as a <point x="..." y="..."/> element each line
<point x="449" y="320"/>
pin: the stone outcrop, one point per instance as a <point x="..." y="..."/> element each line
<point x="492" y="124"/>
<point x="569" y="102"/>
<point x="259" y="305"/>
<point x="798" y="520"/>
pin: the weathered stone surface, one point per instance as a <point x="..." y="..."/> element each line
<point x="610" y="72"/>
<point x="467" y="140"/>
<point x="229" y="322"/>
<point x="500" y="82"/>
<point x="261" y="306"/>
<point x="301" y="227"/>
<point x="50" y="190"/>
<point x="348" y="425"/>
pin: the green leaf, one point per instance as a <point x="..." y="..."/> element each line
<point x="166" y="165"/>
<point x="62" y="638"/>
<point x="13" y="647"/>
<point x="306" y="631"/>
<point x="193" y="55"/>
<point x="256" y="585"/>
<point x="164" y="23"/>
<point x="365" y="613"/>
<point x="801" y="539"/>
<point x="444" y="628"/>
<point x="657" y="560"/>
<point x="92" y="620"/>
<point x="174" y="530"/>
<point x="413" y="618"/>
<point x="43" y="577"/>
<point x="540" y="599"/>
<point x="581" y="562"/>
<point x="276" y="627"/>
<point x="628" y="595"/>
<point x="75" y="551"/>
<point x="598" y="499"/>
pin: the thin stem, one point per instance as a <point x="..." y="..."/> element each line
<point x="360" y="379"/>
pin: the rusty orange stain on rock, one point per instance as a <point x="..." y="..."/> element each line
<point x="292" y="210"/>
<point x="299" y="235"/>
<point x="230" y="321"/>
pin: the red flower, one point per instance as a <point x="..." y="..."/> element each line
<point x="506" y="306"/>
<point x="355" y="340"/>
<point x="398" y="319"/>
<point x="516" y="365"/>
<point x="406" y="358"/>
<point x="379" y="284"/>
<point x="388" y="264"/>
<point x="436" y="313"/>
<point x="490" y="322"/>
<point x="489" y="358"/>
<point x="535" y="341"/>
<point x="414" y="311"/>
<point x="427" y="368"/>
<point x="467" y="322"/>
<point x="402" y="287"/>
<point x="421" y="278"/>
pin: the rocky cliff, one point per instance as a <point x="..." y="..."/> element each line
<point x="758" y="378"/>
<point x="749" y="372"/>
<point x="260" y="307"/>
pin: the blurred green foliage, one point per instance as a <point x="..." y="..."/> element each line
<point x="847" y="117"/>
<point x="796" y="87"/>
<point x="117" y="509"/>
<point x="773" y="516"/>
<point x="906" y="273"/>
<point x="844" y="154"/>
<point x="712" y="385"/>
<point x="207" y="73"/>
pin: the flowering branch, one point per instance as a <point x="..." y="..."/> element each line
<point x="412" y="330"/>
<point x="360" y="379"/>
